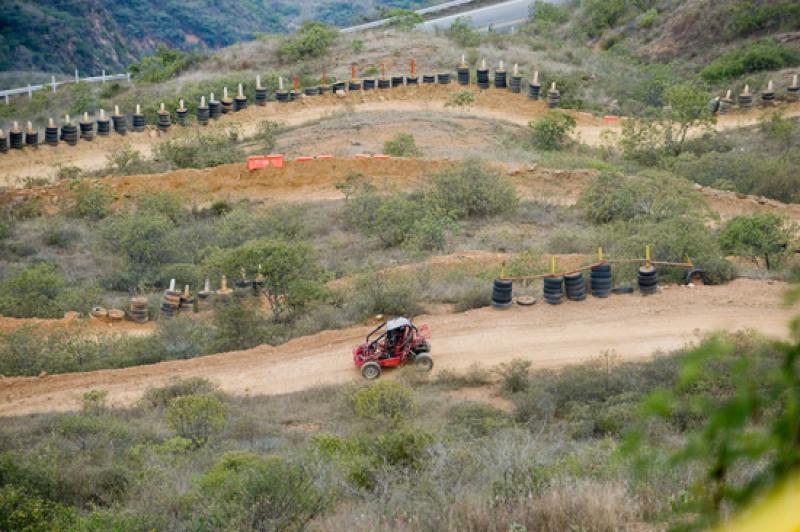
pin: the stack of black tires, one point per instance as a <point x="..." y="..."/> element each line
<point x="647" y="278"/>
<point x="554" y="290"/>
<point x="600" y="277"/>
<point x="501" y="294"/>
<point x="576" y="287"/>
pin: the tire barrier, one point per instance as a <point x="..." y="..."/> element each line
<point x="725" y="104"/>
<point x="187" y="301"/>
<point x="553" y="290"/>
<point x="138" y="121"/>
<point x="226" y="104"/>
<point x="412" y="80"/>
<point x="516" y="84"/>
<point x="575" y="286"/>
<point x="398" y="81"/>
<point x="600" y="278"/>
<point x="793" y="90"/>
<point x="214" y="108"/>
<point x="294" y="95"/>
<point x="500" y="79"/>
<point x="240" y="101"/>
<point x="647" y="278"/>
<point x="443" y="79"/>
<point x="324" y="89"/>
<point x="204" y="295"/>
<point x="339" y="86"/>
<point x="203" y="112"/>
<point x="482" y="75"/>
<point x="462" y="74"/>
<point x="16" y="138"/>
<point x="428" y="79"/>
<point x="120" y="123"/>
<point x="138" y="310"/>
<point x="182" y="116"/>
<point x="745" y="99"/>
<point x="311" y="91"/>
<point x="553" y="97"/>
<point x="282" y="96"/>
<point x="164" y="120"/>
<point x="621" y="290"/>
<point x="368" y="84"/>
<point x="87" y="129"/>
<point x="170" y="303"/>
<point x="501" y="294"/>
<point x="533" y="91"/>
<point x="354" y="85"/>
<point x="103" y="125"/>
<point x="261" y="96"/>
<point x="69" y="132"/>
<point x="31" y="136"/>
<point x="99" y="313"/>
<point x="768" y="95"/>
<point x="3" y="142"/>
<point x="51" y="134"/>
<point x="384" y="83"/>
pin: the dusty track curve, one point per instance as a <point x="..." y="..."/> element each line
<point x="490" y="104"/>
<point x="632" y="326"/>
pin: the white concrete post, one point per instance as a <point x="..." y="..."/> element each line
<point x="104" y="76"/>
<point x="53" y="82"/>
<point x="129" y="77"/>
<point x="30" y="92"/>
<point x="77" y="79"/>
<point x="8" y="102"/>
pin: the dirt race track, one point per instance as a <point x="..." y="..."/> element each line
<point x="631" y="326"/>
<point x="490" y="104"/>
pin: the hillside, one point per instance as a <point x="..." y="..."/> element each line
<point x="91" y="34"/>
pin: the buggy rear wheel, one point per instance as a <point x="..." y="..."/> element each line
<point x="423" y="362"/>
<point x="371" y="371"/>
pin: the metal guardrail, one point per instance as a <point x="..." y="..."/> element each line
<point x="423" y="11"/>
<point x="53" y="85"/>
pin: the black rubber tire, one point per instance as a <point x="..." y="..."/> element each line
<point x="371" y="370"/>
<point x="423" y="362"/>
<point x="526" y="301"/>
<point x="622" y="290"/>
<point x="693" y="272"/>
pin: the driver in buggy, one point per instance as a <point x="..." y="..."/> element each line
<point x="398" y="332"/>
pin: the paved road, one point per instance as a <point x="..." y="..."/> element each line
<point x="500" y="16"/>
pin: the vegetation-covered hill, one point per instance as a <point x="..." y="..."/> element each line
<point x="55" y="35"/>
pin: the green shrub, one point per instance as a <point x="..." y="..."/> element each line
<point x="387" y="400"/>
<point x="402" y="145"/>
<point x="764" y="235"/>
<point x="160" y="397"/>
<point x="196" y="417"/>
<point x="240" y="325"/>
<point x="471" y="190"/>
<point x="140" y="239"/>
<point x="5" y="230"/>
<point x="613" y="197"/>
<point x="68" y="172"/>
<point x="26" y="512"/>
<point x="312" y="40"/>
<point x="161" y="203"/>
<point x="477" y="419"/>
<point x="464" y="99"/>
<point x="40" y="290"/>
<point x="551" y="132"/>
<point x="762" y="55"/>
<point x="91" y="202"/>
<point x="747" y="17"/>
<point x="124" y="160"/>
<point x="463" y="34"/>
<point x="165" y="63"/>
<point x="514" y="374"/>
<point x="648" y="18"/>
<point x="194" y="149"/>
<point x="544" y="17"/>
<point x="388" y="294"/>
<point x="244" y="491"/>
<point x="59" y="236"/>
<point x="267" y="134"/>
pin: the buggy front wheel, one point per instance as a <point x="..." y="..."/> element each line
<point x="371" y="371"/>
<point x="423" y="362"/>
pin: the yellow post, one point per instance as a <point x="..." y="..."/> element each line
<point x="600" y="254"/>
<point x="503" y="270"/>
<point x="552" y="264"/>
<point x="647" y="256"/>
<point x="687" y="260"/>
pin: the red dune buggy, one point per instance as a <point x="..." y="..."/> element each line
<point x="393" y="343"/>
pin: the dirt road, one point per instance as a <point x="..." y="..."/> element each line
<point x="491" y="104"/>
<point x="631" y="326"/>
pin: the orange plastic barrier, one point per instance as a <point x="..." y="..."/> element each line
<point x="610" y="119"/>
<point x="304" y="158"/>
<point x="380" y="156"/>
<point x="256" y="162"/>
<point x="324" y="157"/>
<point x="275" y="160"/>
<point x="362" y="156"/>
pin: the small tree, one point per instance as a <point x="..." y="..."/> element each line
<point x="402" y="145"/>
<point x="404" y="19"/>
<point x="461" y="99"/>
<point x="350" y="184"/>
<point x="196" y="417"/>
<point x="91" y="203"/>
<point x="463" y="34"/>
<point x="288" y="271"/>
<point x="312" y="40"/>
<point x="551" y="132"/>
<point x="764" y="235"/>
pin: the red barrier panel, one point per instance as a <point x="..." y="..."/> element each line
<point x="324" y="157"/>
<point x="256" y="162"/>
<point x="304" y="158"/>
<point x="362" y="156"/>
<point x="380" y="156"/>
<point x="275" y="160"/>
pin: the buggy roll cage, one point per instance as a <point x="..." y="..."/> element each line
<point x="381" y="326"/>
